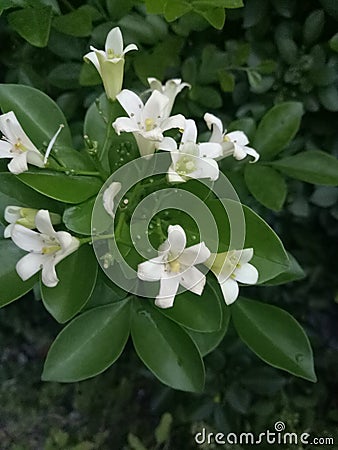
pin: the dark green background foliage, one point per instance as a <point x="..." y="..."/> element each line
<point x="268" y="52"/>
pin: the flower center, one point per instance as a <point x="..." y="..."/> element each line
<point x="111" y="54"/>
<point x="19" y="147"/>
<point x="185" y="165"/>
<point x="150" y="124"/>
<point x="175" y="265"/>
<point x="51" y="249"/>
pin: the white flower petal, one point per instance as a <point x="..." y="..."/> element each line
<point x="151" y="270"/>
<point x="43" y="223"/>
<point x="114" y="41"/>
<point x="5" y="149"/>
<point x="169" y="144"/>
<point x="193" y="280"/>
<point x="27" y="239"/>
<point x="252" y="152"/>
<point x="109" y="196"/>
<point x="205" y="168"/>
<point x="238" y="137"/>
<point x="29" y="265"/>
<point x="214" y="124"/>
<point x="245" y="255"/>
<point x="190" y="132"/>
<point x="168" y="290"/>
<point x="49" y="277"/>
<point x="12" y="213"/>
<point x="174" y="177"/>
<point x="131" y="103"/>
<point x="36" y="158"/>
<point x="210" y="150"/>
<point x="13" y="131"/>
<point x="154" y="107"/>
<point x="18" y="164"/>
<point x="129" y="48"/>
<point x="230" y="290"/>
<point x="125" y="124"/>
<point x="246" y="273"/>
<point x="155" y="84"/>
<point x="176" y="241"/>
<point x="8" y="230"/>
<point x="91" y="57"/>
<point x="196" y="254"/>
<point x="177" y="121"/>
<point x="239" y="152"/>
<point x="145" y="146"/>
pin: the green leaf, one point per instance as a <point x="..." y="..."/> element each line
<point x="78" y="218"/>
<point x="312" y="166"/>
<point x="175" y="9"/>
<point x="38" y="114"/>
<point x="89" y="344"/>
<point x="294" y="272"/>
<point x="155" y="6"/>
<point x="227" y="81"/>
<point x="270" y="257"/>
<point x="65" y="76"/>
<point x="162" y="431"/>
<point x="76" y="23"/>
<point x="246" y="124"/>
<point x="77" y="274"/>
<point x="333" y="42"/>
<point x="33" y="24"/>
<point x="199" y="313"/>
<point x="275" y="336"/>
<point x="328" y="97"/>
<point x="215" y="16"/>
<point x="254" y="78"/>
<point x="12" y="287"/>
<point x="166" y="349"/>
<point x="266" y="185"/>
<point x="313" y="26"/>
<point x="207" y="342"/>
<point x="277" y="128"/>
<point x="135" y="442"/>
<point x="65" y="188"/>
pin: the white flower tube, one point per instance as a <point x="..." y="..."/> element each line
<point x="232" y="268"/>
<point x="234" y="143"/>
<point x="174" y="266"/>
<point x="110" y="62"/>
<point x="146" y="121"/>
<point x="171" y="89"/>
<point x="16" y="145"/>
<point x="46" y="248"/>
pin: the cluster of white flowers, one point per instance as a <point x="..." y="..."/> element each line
<point x="190" y="159"/>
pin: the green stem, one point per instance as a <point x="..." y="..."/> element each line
<point x="107" y="141"/>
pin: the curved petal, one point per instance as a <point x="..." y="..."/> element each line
<point x="238" y="137"/>
<point x="114" y="41"/>
<point x="36" y="159"/>
<point x="5" y="149"/>
<point x="153" y="135"/>
<point x="91" y="57"/>
<point x="210" y="150"/>
<point x="252" y="152"/>
<point x="239" y="152"/>
<point x="49" y="277"/>
<point x="29" y="265"/>
<point x="177" y="121"/>
<point x="245" y="255"/>
<point x="43" y="223"/>
<point x="168" y="290"/>
<point x="65" y="240"/>
<point x="196" y="254"/>
<point x="176" y="241"/>
<point x="214" y="124"/>
<point x="129" y="48"/>
<point x="11" y="128"/>
<point x="205" y="168"/>
<point x="109" y="196"/>
<point x="8" y="230"/>
<point x="27" y="239"/>
<point x="155" y="84"/>
<point x="230" y="291"/>
<point x="247" y="273"/>
<point x="190" y="131"/>
<point x="131" y="103"/>
<point x="12" y="213"/>
<point x="18" y="164"/>
<point x="169" y="144"/>
<point x="174" y="177"/>
<point x="125" y="124"/>
<point x="193" y="280"/>
<point x="151" y="270"/>
<point x="155" y="106"/>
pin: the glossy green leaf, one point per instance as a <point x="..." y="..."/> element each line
<point x="166" y="349"/>
<point x="33" y="24"/>
<point x="215" y="16"/>
<point x="277" y="128"/>
<point x="65" y="188"/>
<point x="207" y="342"/>
<point x="155" y="6"/>
<point x="39" y="115"/>
<point x="199" y="313"/>
<point x="176" y="8"/>
<point x="227" y="81"/>
<point x="246" y="124"/>
<point x="275" y="336"/>
<point x="65" y="76"/>
<point x="12" y="287"/>
<point x="328" y="97"/>
<point x="294" y="272"/>
<point x="89" y="344"/>
<point x="78" y="218"/>
<point x="76" y="23"/>
<point x="270" y="257"/>
<point x="313" y="26"/>
<point x="77" y="277"/>
<point x="312" y="166"/>
<point x="333" y="42"/>
<point x="266" y="185"/>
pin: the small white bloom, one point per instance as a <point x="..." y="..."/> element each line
<point x="171" y="89"/>
<point x="110" y="62"/>
<point x="230" y="268"/>
<point x="174" y="266"/>
<point x="109" y="195"/>
<point x="25" y="217"/>
<point x="15" y="144"/>
<point x="46" y="248"/>
<point x="234" y="143"/>
<point x="146" y="121"/>
<point x="191" y="160"/>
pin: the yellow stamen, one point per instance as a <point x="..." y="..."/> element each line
<point x="19" y="146"/>
<point x="175" y="266"/>
<point x="149" y="123"/>
<point x="50" y="249"/>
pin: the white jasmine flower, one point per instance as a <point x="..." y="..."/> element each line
<point x="46" y="248"/>
<point x="174" y="266"/>
<point x="25" y="217"/>
<point x="110" y="62"/>
<point x="146" y="121"/>
<point x="15" y="144"/>
<point x="230" y="268"/>
<point x="191" y="160"/>
<point x="171" y="89"/>
<point x="109" y="195"/>
<point x="234" y="143"/>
